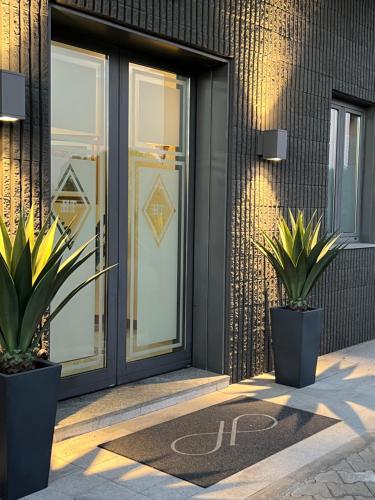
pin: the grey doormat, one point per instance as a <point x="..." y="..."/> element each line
<point x="209" y="445"/>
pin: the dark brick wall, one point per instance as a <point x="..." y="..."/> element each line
<point x="289" y="55"/>
<point x="24" y="147"/>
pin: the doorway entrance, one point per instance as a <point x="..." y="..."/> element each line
<point x="121" y="174"/>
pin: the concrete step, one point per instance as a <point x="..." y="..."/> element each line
<point x="100" y="409"/>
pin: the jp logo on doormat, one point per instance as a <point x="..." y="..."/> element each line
<point x="219" y="440"/>
<point x="208" y="445"/>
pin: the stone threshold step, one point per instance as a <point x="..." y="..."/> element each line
<point x="100" y="409"/>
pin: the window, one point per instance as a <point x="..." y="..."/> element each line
<point x="345" y="170"/>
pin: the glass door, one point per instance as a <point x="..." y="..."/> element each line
<point x="156" y="330"/>
<point x="81" y="336"/>
<point x="120" y="176"/>
<point x="79" y="200"/>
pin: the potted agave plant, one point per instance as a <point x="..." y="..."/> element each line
<point x="32" y="270"/>
<point x="299" y="256"/>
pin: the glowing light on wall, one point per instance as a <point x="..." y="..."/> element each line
<point x="272" y="145"/>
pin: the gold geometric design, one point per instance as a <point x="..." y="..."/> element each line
<point x="70" y="204"/>
<point x="159" y="210"/>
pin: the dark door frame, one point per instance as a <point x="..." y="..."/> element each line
<point x="210" y="269"/>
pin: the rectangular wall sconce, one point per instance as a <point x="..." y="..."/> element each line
<point x="12" y="96"/>
<point x="272" y="145"/>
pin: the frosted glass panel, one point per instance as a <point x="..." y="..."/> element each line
<point x="78" y="184"/>
<point x="158" y="124"/>
<point x="349" y="188"/>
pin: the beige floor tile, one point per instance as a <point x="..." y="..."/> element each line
<point x="47" y="494"/>
<point x="139" y="496"/>
<point x="173" y="488"/>
<point x="224" y="492"/>
<point x="110" y="491"/>
<point x="112" y="469"/>
<point x="60" y="468"/>
<point x="74" y="453"/>
<point x="142" y="478"/>
<point x="77" y="483"/>
<point x="94" y="457"/>
<point x="78" y="445"/>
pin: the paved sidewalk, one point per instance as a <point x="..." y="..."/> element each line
<point x="345" y="390"/>
<point x="350" y="476"/>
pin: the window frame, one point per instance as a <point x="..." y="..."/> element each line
<point x="342" y="108"/>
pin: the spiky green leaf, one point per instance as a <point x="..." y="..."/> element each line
<point x="36" y="307"/>
<point x="23" y="279"/>
<point x="30" y="227"/>
<point x="8" y="307"/>
<point x="18" y="244"/>
<point x="5" y="243"/>
<point x="45" y="250"/>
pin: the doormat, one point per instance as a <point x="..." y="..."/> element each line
<point x="209" y="445"/>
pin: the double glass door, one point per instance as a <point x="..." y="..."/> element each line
<point x="120" y="176"/>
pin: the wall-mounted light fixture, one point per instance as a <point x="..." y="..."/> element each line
<point x="272" y="144"/>
<point x="12" y="96"/>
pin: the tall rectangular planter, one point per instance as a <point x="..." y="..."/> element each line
<point x="296" y="342"/>
<point x="28" y="403"/>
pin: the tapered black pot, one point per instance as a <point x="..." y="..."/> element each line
<point x="28" y="403"/>
<point x="296" y="342"/>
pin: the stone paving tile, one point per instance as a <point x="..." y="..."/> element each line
<point x="358" y="464"/>
<point x="139" y="496"/>
<point x="93" y="457"/>
<point x="143" y="478"/>
<point x="112" y="491"/>
<point x="371" y="487"/>
<point x="351" y="478"/>
<point x="223" y="492"/>
<point x="338" y="490"/>
<point x="48" y="494"/>
<point x="357" y="477"/>
<point x="327" y="477"/>
<point x="112" y="469"/>
<point x="60" y="468"/>
<point x="173" y="489"/>
<point x="76" y="484"/>
<point x="343" y="465"/>
<point x="311" y="489"/>
<point x="304" y="498"/>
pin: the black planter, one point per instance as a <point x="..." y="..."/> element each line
<point x="296" y="342"/>
<point x="27" y="418"/>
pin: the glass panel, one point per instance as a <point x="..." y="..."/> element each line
<point x="158" y="156"/>
<point x="332" y="170"/>
<point x="78" y="183"/>
<point x="349" y="186"/>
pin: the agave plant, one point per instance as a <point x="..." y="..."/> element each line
<point x="300" y="256"/>
<point x="32" y="270"/>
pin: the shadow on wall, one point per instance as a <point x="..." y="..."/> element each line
<point x="270" y="80"/>
<point x="24" y="150"/>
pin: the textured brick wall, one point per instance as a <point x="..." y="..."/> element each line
<point x="24" y="146"/>
<point x="288" y="57"/>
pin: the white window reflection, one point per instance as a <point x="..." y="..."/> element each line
<point x="344" y="174"/>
